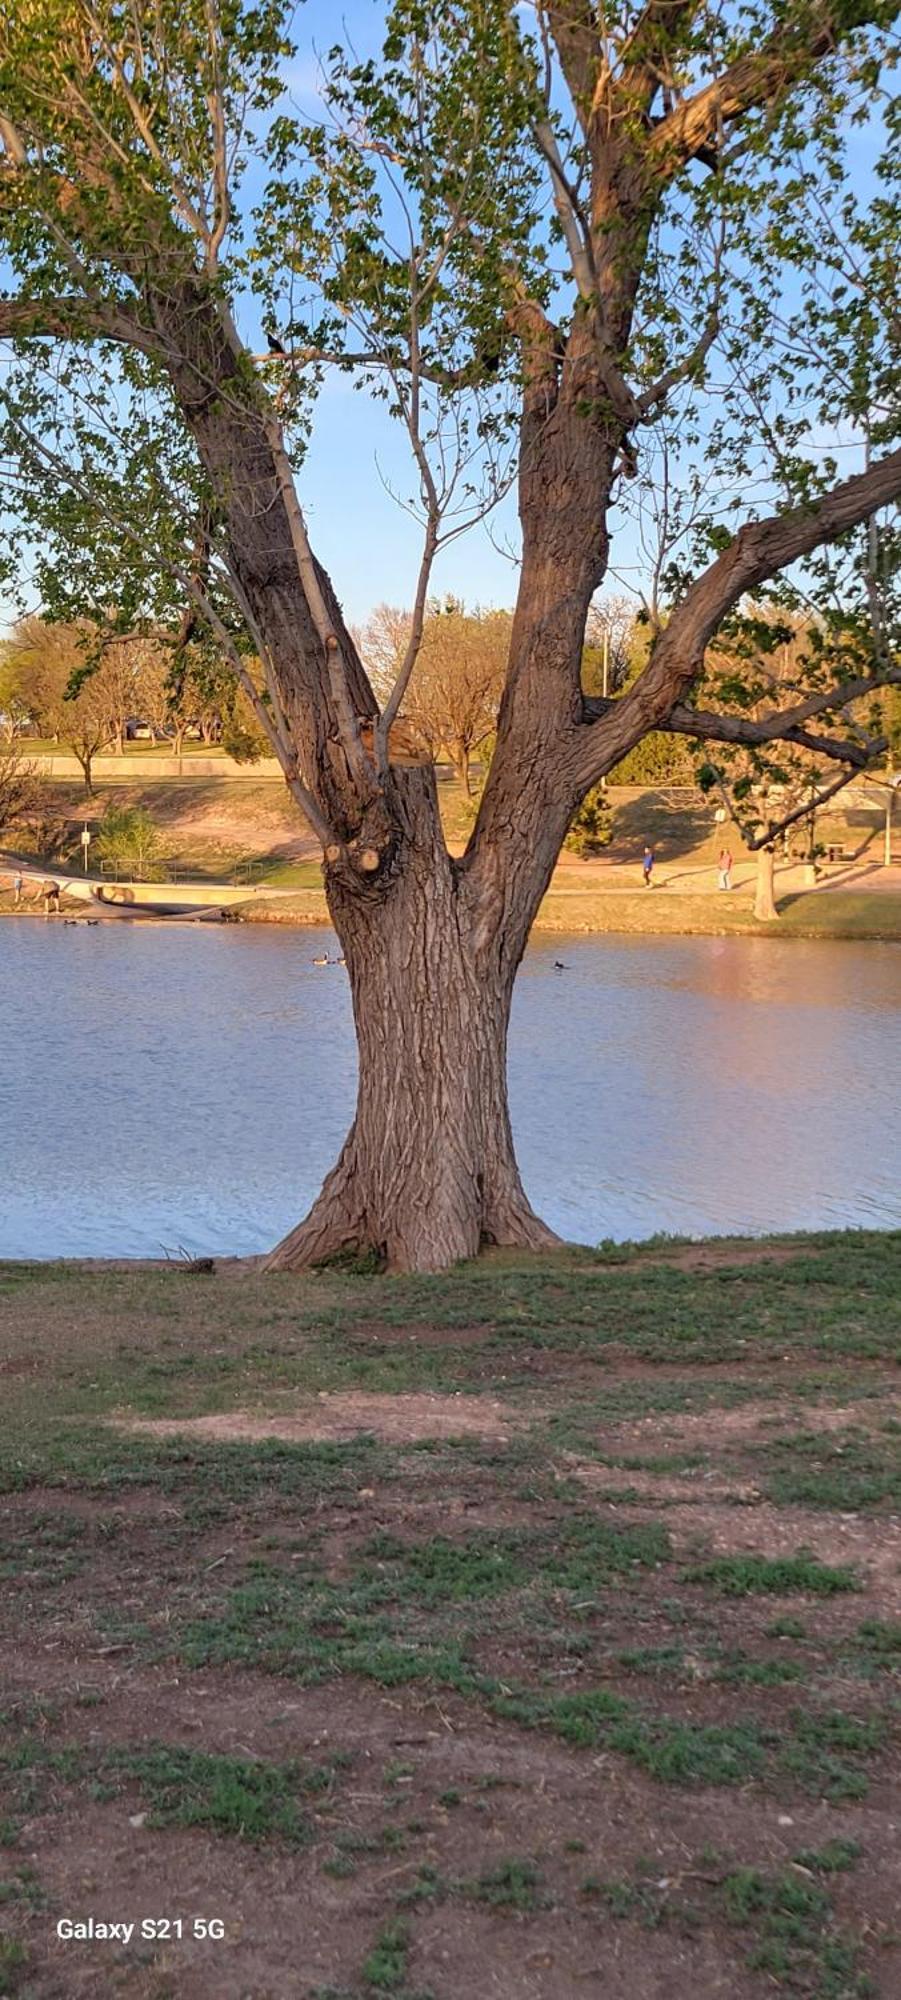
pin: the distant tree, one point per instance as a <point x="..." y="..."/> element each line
<point x="611" y="642"/>
<point x="22" y="792"/>
<point x="656" y="759"/>
<point x="452" y="699"/>
<point x="129" y="837"/>
<point x="769" y="785"/>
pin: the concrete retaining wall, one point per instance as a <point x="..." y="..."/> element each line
<point x="133" y="770"/>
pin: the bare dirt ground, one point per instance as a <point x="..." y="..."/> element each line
<point x="527" y="1633"/>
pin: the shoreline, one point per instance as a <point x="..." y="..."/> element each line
<point x="861" y="918"/>
<point x="707" y="1252"/>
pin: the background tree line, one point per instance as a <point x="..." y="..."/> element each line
<point x="82" y="684"/>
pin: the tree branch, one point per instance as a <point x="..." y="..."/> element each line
<point x="576" y="232"/>
<point x="754" y="842"/>
<point x="72" y="318"/>
<point x="753" y="79"/>
<point x="759" y="551"/>
<point x="713" y="728"/>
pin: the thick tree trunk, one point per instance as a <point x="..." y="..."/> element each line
<point x="427" y="1175"/>
<point x="764" y="898"/>
<point x="432" y="945"/>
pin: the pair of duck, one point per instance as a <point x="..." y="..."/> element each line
<point x="329" y="961"/>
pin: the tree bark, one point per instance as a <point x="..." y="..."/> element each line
<point x="427" y="1175"/>
<point x="764" y="898"/>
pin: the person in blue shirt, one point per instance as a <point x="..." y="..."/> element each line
<point x="647" y="866"/>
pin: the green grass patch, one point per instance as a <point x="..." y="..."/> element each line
<point x="826" y="1752"/>
<point x="512" y="1885"/>
<point x="236" y="1797"/>
<point x="848" y="1472"/>
<point x="773" y="1576"/>
<point x="385" y="1968"/>
<point x="13" y="1962"/>
<point x="832" y="1859"/>
<point x="796" y="1944"/>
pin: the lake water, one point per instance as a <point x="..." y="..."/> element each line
<point x="190" y="1086"/>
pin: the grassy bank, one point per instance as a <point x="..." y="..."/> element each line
<point x="525" y="1631"/>
<point x="833" y="913"/>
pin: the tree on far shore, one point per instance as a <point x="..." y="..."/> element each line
<point x="452" y="698"/>
<point x="612" y="257"/>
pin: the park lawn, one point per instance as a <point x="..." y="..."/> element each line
<point x="830" y="913"/>
<point x="528" y="1630"/>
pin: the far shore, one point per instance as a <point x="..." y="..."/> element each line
<point x="852" y="915"/>
<point x="216" y="831"/>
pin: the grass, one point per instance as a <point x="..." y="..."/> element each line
<point x="781" y="1576"/>
<point x="385" y="1969"/>
<point x="785" y="1923"/>
<point x="796" y="1944"/>
<point x="512" y="1885"/>
<point x="392" y="1646"/>
<point x="230" y="1796"/>
<point x="848" y="1473"/>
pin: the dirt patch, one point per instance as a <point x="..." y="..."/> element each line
<point x="691" y="1488"/>
<point x="336" y="1418"/>
<point x="719" y="1256"/>
<point x="757" y="1422"/>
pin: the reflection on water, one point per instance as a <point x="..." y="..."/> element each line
<point x="191" y="1086"/>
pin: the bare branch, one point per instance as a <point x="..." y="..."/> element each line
<point x="573" y="223"/>
<point x="682" y="370"/>
<point x="222" y="215"/>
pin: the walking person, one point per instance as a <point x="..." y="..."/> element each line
<point x="18" y="886"/>
<point x="647" y="866"/>
<point x="724" y="866"/>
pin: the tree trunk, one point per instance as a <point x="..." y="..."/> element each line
<point x="87" y="764"/>
<point x="427" y="1175"/>
<point x="764" y="900"/>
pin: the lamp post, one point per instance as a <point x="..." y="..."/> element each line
<point x="85" y="844"/>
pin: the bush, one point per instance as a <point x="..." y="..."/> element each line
<point x="128" y="838"/>
<point x="592" y="827"/>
